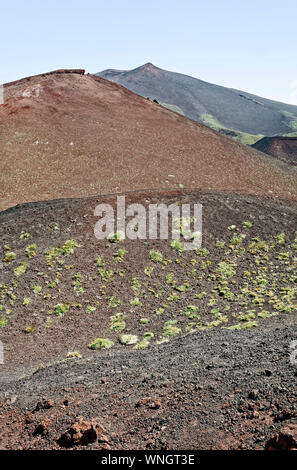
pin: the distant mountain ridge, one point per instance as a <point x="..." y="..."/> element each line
<point x="241" y="115"/>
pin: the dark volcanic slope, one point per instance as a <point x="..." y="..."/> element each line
<point x="213" y="390"/>
<point x="227" y="313"/>
<point x="73" y="135"/>
<point x="284" y="148"/>
<point x="206" y="102"/>
<point x="60" y="287"/>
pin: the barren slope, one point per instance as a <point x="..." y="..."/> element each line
<point x="61" y="288"/>
<point x="284" y="148"/>
<point x="71" y="135"/>
<point x="225" y="315"/>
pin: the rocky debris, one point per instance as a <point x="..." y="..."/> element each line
<point x="83" y="432"/>
<point x="152" y="403"/>
<point x="285" y="439"/>
<point x="155" y="404"/>
<point x="253" y="394"/>
<point x="44" y="405"/>
<point x="41" y="428"/>
<point x="9" y="401"/>
<point x="28" y="418"/>
<point x="284" y="415"/>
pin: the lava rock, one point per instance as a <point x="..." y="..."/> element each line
<point x="285" y="439"/>
<point x="83" y="432"/>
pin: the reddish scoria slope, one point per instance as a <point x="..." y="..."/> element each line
<point x="284" y="148"/>
<point x="66" y="134"/>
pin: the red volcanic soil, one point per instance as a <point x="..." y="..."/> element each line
<point x="284" y="148"/>
<point x="65" y="134"/>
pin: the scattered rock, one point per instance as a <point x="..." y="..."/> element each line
<point x="41" y="428"/>
<point x="285" y="439"/>
<point x="254" y="394"/>
<point x="284" y="415"/>
<point x="198" y="387"/>
<point x="29" y="418"/>
<point x="155" y="404"/>
<point x="83" y="432"/>
<point x="12" y="399"/>
<point x="44" y="405"/>
<point x="141" y="402"/>
<point x="152" y="403"/>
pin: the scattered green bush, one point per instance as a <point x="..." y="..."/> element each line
<point x="128" y="339"/>
<point x="31" y="250"/>
<point x="61" y="309"/>
<point x="10" y="256"/>
<point x="101" y="343"/>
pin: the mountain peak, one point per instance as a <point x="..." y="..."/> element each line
<point x="148" y="65"/>
<point x="148" y="68"/>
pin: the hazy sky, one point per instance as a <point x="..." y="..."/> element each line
<point x="249" y="45"/>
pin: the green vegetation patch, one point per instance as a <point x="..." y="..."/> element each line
<point x="21" y="269"/>
<point x="61" y="309"/>
<point x="101" y="343"/>
<point x="156" y="256"/>
<point x="9" y="256"/>
<point x="128" y="339"/>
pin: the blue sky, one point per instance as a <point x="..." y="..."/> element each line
<point x="249" y="45"/>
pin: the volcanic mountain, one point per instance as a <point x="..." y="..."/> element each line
<point x="139" y="344"/>
<point x="235" y="113"/>
<point x="66" y="134"/>
<point x="284" y="148"/>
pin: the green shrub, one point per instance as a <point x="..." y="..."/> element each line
<point x="3" y="322"/>
<point x="128" y="339"/>
<point x="143" y="344"/>
<point x="177" y="245"/>
<point x="116" y="237"/>
<point x="9" y="256"/>
<point x="31" y="250"/>
<point x="202" y="252"/>
<point x="170" y="329"/>
<point x="61" y="309"/>
<point x="73" y="355"/>
<point x="156" y="256"/>
<point x="21" y="269"/>
<point x="24" y="235"/>
<point x="29" y="329"/>
<point x="69" y="247"/>
<point x="90" y="309"/>
<point x="117" y="322"/>
<point x="135" y="302"/>
<point x="246" y="224"/>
